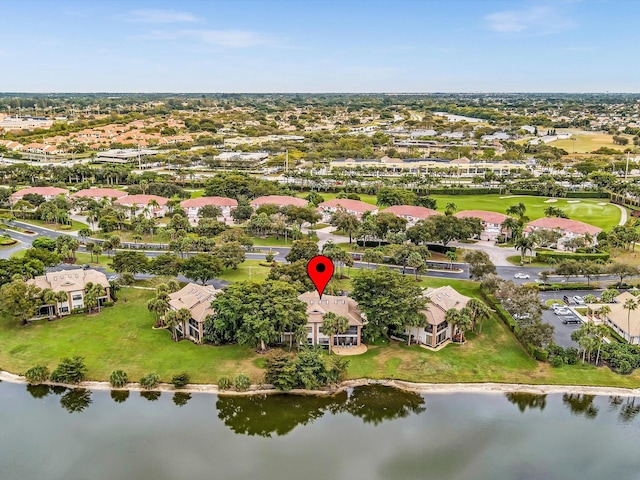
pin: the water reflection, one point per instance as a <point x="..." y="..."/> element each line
<point x="265" y="415"/>
<point x="151" y="396"/>
<point x="626" y="407"/>
<point x="181" y="399"/>
<point x="120" y="396"/>
<point x="527" y="400"/>
<point x="38" y="391"/>
<point x="76" y="400"/>
<point x="581" y="404"/>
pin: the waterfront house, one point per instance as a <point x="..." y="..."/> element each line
<point x="197" y="299"/>
<point x="73" y="283"/>
<point x="341" y="306"/>
<point x="438" y="331"/>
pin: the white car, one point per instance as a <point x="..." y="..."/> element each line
<point x="562" y="311"/>
<point x="579" y="300"/>
<point x="522" y="276"/>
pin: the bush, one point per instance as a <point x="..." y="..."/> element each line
<point x="70" y="370"/>
<point x="224" y="383"/>
<point x="37" y="374"/>
<point x="150" y="380"/>
<point x="181" y="380"/>
<point x="557" y="362"/>
<point x="110" y="303"/>
<point x="78" y="310"/>
<point x="118" y="378"/>
<point x="540" y="354"/>
<point x="571" y="355"/>
<point x="545" y="255"/>
<point x="241" y="382"/>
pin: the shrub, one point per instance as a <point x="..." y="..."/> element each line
<point x="180" y="380"/>
<point x="241" y="382"/>
<point x="557" y="362"/>
<point x="37" y="374"/>
<point x="224" y="383"/>
<point x="118" y="378"/>
<point x="544" y="256"/>
<point x="150" y="380"/>
<point x="540" y="354"/>
<point x="110" y="303"/>
<point x="70" y="370"/>
<point x="571" y="355"/>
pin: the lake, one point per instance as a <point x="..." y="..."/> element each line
<point x="368" y="433"/>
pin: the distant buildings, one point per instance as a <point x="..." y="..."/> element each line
<point x="242" y="159"/>
<point x="567" y="228"/>
<point x="123" y="156"/>
<point x="24" y="123"/>
<point x="411" y="213"/>
<point x="279" y="201"/>
<point x="98" y="194"/>
<point x="136" y="204"/>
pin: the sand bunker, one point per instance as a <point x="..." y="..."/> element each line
<point x="511" y="196"/>
<point x="573" y="201"/>
<point x="602" y="203"/>
<point x="551" y="200"/>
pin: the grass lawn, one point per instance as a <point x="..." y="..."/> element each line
<point x="271" y="241"/>
<point x="197" y="193"/>
<point x="516" y="259"/>
<point x="119" y="337"/>
<point x="75" y="226"/>
<point x="585" y="210"/>
<point x="248" y="270"/>
<point x="590" y="142"/>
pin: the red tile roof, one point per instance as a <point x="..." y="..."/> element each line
<point x="279" y="200"/>
<point x="411" y="211"/>
<point x="215" y="201"/>
<point x="100" y="193"/>
<point x="573" y="226"/>
<point x="44" y="191"/>
<point x="141" y="200"/>
<point x="349" y="205"/>
<point x="487" y="217"/>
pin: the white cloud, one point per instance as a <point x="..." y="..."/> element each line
<point x="535" y="20"/>
<point x="216" y="38"/>
<point x="158" y="16"/>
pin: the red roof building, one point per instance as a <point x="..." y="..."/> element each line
<point x="565" y="225"/>
<point x="142" y="200"/>
<point x="493" y="219"/>
<point x="411" y="213"/>
<point x="99" y="193"/>
<point x="203" y="201"/>
<point x="279" y="201"/>
<point x="355" y="207"/>
<point x="47" y="192"/>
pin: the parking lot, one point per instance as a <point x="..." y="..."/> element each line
<point x="562" y="333"/>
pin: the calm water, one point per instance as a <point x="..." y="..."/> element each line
<point x="369" y="433"/>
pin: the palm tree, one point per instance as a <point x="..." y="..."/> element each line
<point x="512" y="226"/>
<point x="524" y="244"/>
<point x="601" y="333"/>
<point x="452" y="256"/>
<point x="603" y="312"/>
<point x="173" y="285"/>
<point x="459" y="320"/>
<point x="171" y="321"/>
<point x="479" y="312"/>
<point x="450" y="208"/>
<point x="49" y="297"/>
<point x="159" y="306"/>
<point x="629" y="305"/>
<point x="333" y="324"/>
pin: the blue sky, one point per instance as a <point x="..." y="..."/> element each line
<point x="320" y="46"/>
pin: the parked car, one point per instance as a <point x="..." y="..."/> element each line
<point x="567" y="300"/>
<point x="562" y="312"/>
<point x="521" y="316"/>
<point x="578" y="299"/>
<point x="522" y="276"/>
<point x="568" y="320"/>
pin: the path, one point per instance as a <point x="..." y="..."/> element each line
<point x="624" y="215"/>
<point x="498" y="255"/>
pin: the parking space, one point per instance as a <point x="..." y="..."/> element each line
<point x="562" y="331"/>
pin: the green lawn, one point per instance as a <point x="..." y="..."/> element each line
<point x="271" y="241"/>
<point x="75" y="226"/>
<point x="589" y="143"/>
<point x="120" y="337"/>
<point x="248" y="270"/>
<point x="364" y="197"/>
<point x="585" y="210"/>
<point x="197" y="193"/>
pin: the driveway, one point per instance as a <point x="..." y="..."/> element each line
<point x="562" y="333"/>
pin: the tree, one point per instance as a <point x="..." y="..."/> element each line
<point x="388" y="300"/>
<point x="524" y="244"/>
<point x="294" y="274"/>
<point x="415" y="261"/>
<point x="450" y="208"/>
<point x="209" y="211"/>
<point x="347" y="222"/>
<point x="129" y="261"/>
<point x="372" y="256"/>
<point x="452" y="256"/>
<point x="388" y="222"/>
<point x="478" y="312"/>
<point x="256" y="314"/>
<point x="201" y="267"/>
<point x="302" y="250"/>
<point x="622" y="270"/>
<point x="480" y="264"/>
<point x="125" y="279"/>
<point x="231" y="254"/>
<point x="19" y="299"/>
<point x="460" y="320"/>
<point x="333" y="324"/>
<point x="630" y="305"/>
<point x="165" y="264"/>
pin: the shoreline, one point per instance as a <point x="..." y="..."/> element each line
<point x="427" y="388"/>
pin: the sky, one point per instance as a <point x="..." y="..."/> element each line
<point x="319" y="46"/>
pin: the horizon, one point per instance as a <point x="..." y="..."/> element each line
<point x="322" y="47"/>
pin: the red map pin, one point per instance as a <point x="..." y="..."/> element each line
<point x="320" y="270"/>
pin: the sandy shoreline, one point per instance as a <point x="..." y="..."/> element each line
<point x="497" y="388"/>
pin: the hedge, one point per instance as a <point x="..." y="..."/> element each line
<point x="545" y="255"/>
<point x="464" y="191"/>
<point x="500" y="310"/>
<point x="546" y="287"/>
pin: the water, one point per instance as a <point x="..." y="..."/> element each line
<point x="368" y="433"/>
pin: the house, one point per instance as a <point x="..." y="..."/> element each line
<point x="197" y="299"/>
<point x="73" y="283"/>
<point x="411" y="213"/>
<point x="568" y="228"/>
<point x="98" y="194"/>
<point x="438" y="331"/>
<point x="137" y="204"/>
<point x="341" y="306"/>
<point x="623" y="322"/>
<point x="279" y="201"/>
<point x="48" y="193"/>
<point x="491" y="222"/>
<point x="193" y="205"/>
<point x="355" y="207"/>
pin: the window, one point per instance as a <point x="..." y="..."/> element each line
<point x="76" y="296"/>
